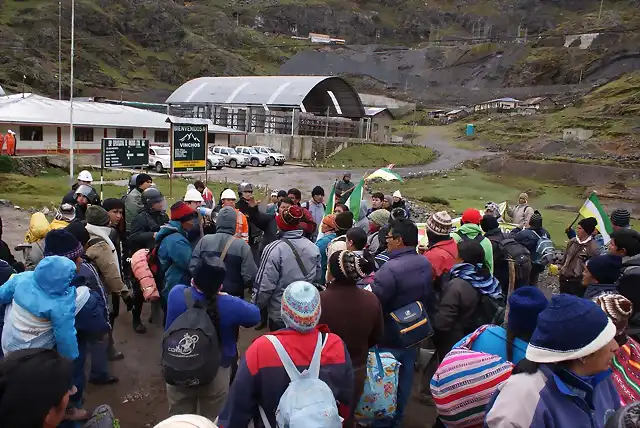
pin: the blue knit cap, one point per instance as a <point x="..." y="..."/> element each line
<point x="570" y="328"/>
<point x="525" y="304"/>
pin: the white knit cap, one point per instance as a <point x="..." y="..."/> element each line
<point x="397" y="194"/>
<point x="193" y="195"/>
<point x="228" y="194"/>
<point x="186" y="421"/>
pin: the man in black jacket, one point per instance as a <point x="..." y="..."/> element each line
<point x="144" y="228"/>
<point x="259" y="222"/>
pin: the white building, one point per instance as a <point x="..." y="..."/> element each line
<point x="499" y="104"/>
<point x="42" y="124"/>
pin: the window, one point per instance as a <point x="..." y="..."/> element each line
<point x="161" y="137"/>
<point x="31" y="133"/>
<point x="124" y="133"/>
<point x="83" y="134"/>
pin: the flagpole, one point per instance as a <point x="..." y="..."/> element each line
<point x="578" y="216"/>
<point x="71" y="136"/>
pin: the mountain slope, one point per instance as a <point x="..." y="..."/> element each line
<point x="145" y="48"/>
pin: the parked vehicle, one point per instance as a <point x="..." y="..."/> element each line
<point x="159" y="158"/>
<point x="256" y="159"/>
<point x="274" y="157"/>
<point x="214" y="161"/>
<point x="231" y="157"/>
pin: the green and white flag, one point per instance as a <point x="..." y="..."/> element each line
<point x="593" y="208"/>
<point x="330" y="203"/>
<point x="355" y="199"/>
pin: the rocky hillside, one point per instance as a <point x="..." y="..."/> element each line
<point x="145" y="48"/>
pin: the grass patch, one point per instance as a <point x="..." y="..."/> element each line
<point x="378" y="156"/>
<point x="51" y="185"/>
<point x="471" y="188"/>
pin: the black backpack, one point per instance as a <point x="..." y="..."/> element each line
<point x="512" y="251"/>
<point x="490" y="310"/>
<point x="190" y="347"/>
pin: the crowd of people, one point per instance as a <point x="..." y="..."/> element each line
<point x="351" y="302"/>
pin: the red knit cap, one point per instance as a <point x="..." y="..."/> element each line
<point x="290" y="218"/>
<point x="471" y="216"/>
<point x="182" y="212"/>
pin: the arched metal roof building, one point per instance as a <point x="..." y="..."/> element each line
<point x="312" y="94"/>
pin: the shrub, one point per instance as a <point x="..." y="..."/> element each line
<point x="6" y="164"/>
<point x="434" y="200"/>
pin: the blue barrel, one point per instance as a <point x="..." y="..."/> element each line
<point x="471" y="129"/>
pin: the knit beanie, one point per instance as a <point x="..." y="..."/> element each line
<point x="344" y="220"/>
<point x="625" y="417"/>
<point x="290" y="218"/>
<point x="439" y="223"/>
<point x="589" y="224"/>
<point x="569" y="328"/>
<point x="60" y="242"/>
<point x="142" y="178"/>
<point x="79" y="231"/>
<point x="621" y="217"/>
<point x="617" y="307"/>
<point x="524" y="196"/>
<point x="282" y="193"/>
<point x="300" y="307"/>
<point x="317" y="191"/>
<point x="345" y="265"/>
<point x="182" y="212"/>
<point x="113" y="204"/>
<point x="208" y="272"/>
<point x="489" y="222"/>
<point x="535" y="222"/>
<point x="398" y="213"/>
<point x="525" y="304"/>
<point x="605" y="269"/>
<point x="472" y="216"/>
<point x="97" y="216"/>
<point x="380" y="217"/>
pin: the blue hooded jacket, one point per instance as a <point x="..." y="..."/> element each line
<point x="45" y="293"/>
<point x="174" y="254"/>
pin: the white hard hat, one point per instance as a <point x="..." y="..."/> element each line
<point x="397" y="194"/>
<point x="193" y="195"/>
<point x="228" y="194"/>
<point x="85" y="176"/>
<point x="186" y="421"/>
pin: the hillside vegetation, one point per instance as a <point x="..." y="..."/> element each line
<point x="610" y="111"/>
<point x="145" y="48"/>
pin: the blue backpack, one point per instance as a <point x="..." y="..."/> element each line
<point x="307" y="402"/>
<point x="544" y="250"/>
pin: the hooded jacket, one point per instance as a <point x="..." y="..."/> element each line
<point x="553" y="399"/>
<point x="442" y="256"/>
<point x="132" y="207"/>
<point x="261" y="379"/>
<point x="42" y="312"/>
<point x="323" y="245"/>
<point x="103" y="254"/>
<point x="405" y="278"/>
<point x="174" y="254"/>
<point x="279" y="268"/>
<point x="520" y="214"/>
<point x="144" y="226"/>
<point x="471" y="231"/>
<point x="241" y="268"/>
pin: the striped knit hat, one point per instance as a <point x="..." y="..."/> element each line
<point x="617" y="307"/>
<point x="440" y="223"/>
<point x="300" y="307"/>
<point x="621" y="217"/>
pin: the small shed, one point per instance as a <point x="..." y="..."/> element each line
<point x="380" y="121"/>
<point x="539" y="103"/>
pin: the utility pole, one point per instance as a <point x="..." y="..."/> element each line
<point x="71" y="136"/>
<point x="600" y="13"/>
<point x="59" y="50"/>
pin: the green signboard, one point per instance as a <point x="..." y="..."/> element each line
<point x="124" y="152"/>
<point x="189" y="148"/>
